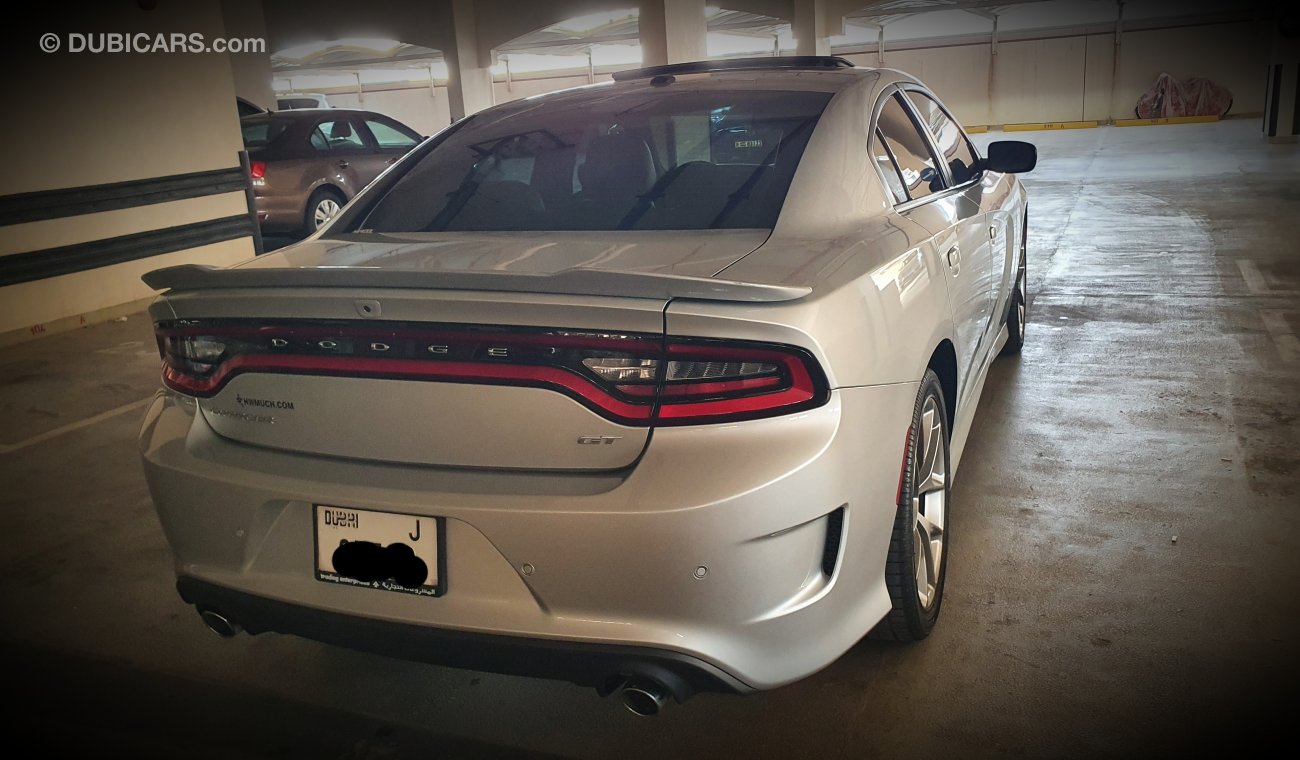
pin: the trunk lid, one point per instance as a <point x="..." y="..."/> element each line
<point x="323" y="375"/>
<point x="464" y="351"/>
<point x="687" y="253"/>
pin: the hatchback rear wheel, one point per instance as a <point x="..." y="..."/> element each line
<point x="321" y="207"/>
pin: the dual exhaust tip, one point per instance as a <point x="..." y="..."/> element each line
<point x="641" y="696"/>
<point x="219" y="624"/>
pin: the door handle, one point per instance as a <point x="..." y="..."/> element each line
<point x="954" y="259"/>
<point x="342" y="164"/>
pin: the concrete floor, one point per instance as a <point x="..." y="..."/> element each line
<point x="1156" y="398"/>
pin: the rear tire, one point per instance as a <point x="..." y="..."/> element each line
<point x="1017" y="315"/>
<point x="917" y="563"/>
<point x="321" y="207"/>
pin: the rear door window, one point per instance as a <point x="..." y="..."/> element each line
<point x="958" y="153"/>
<point x="910" y="149"/>
<point x="391" y="135"/>
<point x="341" y="135"/>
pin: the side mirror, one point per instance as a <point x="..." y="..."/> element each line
<point x="1011" y="156"/>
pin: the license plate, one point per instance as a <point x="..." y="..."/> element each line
<point x="380" y="550"/>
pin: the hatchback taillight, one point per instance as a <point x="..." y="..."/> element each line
<point x="631" y="378"/>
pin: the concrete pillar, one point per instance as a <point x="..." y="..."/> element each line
<point x="252" y="71"/>
<point x="469" y="80"/>
<point x="672" y="31"/>
<point x="1282" y="95"/>
<point x="809" y="27"/>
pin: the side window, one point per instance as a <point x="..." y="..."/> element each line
<point x="515" y="169"/>
<point x="888" y="168"/>
<point x="389" y="136"/>
<point x="910" y="149"/>
<point x="957" y="151"/>
<point x="319" y="141"/>
<point x="340" y="135"/>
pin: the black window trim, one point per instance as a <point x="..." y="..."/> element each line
<point x="925" y="128"/>
<point x="893" y="161"/>
<point x="898" y="88"/>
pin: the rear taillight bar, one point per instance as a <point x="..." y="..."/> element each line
<point x="634" y="379"/>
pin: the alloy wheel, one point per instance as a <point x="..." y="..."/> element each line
<point x="929" y="502"/>
<point x="1020" y="305"/>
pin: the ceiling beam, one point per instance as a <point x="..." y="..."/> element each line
<point x="894" y="8"/>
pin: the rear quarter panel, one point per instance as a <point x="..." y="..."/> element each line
<point x="880" y="302"/>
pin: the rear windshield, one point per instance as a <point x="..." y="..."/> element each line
<point x="260" y="132"/>
<point x="631" y="161"/>
<point x="286" y="104"/>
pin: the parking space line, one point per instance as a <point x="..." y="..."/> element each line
<point x="1288" y="346"/>
<point x="9" y="448"/>
<point x="1256" y="283"/>
<point x="1254" y="280"/>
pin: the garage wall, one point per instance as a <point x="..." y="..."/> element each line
<point x="1062" y="77"/>
<point x="522" y="88"/>
<point x="416" y="107"/>
<point x="1234" y="55"/>
<point x="428" y="111"/>
<point x="958" y="74"/>
<point x="1068" y="78"/>
<point x="83" y="209"/>
<point x="1039" y="80"/>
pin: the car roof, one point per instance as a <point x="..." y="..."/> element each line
<point x="733" y="79"/>
<point x="302" y="114"/>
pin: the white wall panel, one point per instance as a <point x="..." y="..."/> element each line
<point x="1039" y="80"/>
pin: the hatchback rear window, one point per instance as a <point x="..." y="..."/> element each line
<point x="259" y="133"/>
<point x="597" y="160"/>
<point x="286" y="104"/>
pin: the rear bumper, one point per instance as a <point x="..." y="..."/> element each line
<point x="603" y="564"/>
<point x="584" y="664"/>
<point x="279" y="211"/>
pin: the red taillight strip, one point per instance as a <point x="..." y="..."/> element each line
<point x="798" y="384"/>
<point x="554" y="378"/>
<point x="703" y="388"/>
<point x="803" y="389"/>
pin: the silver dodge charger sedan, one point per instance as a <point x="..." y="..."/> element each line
<point x="656" y="385"/>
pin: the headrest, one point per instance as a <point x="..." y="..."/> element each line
<point x="617" y="165"/>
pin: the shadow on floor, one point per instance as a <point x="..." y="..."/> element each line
<point x="80" y="704"/>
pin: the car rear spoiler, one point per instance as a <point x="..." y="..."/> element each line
<point x="586" y="282"/>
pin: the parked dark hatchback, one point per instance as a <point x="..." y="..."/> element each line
<point x="307" y="163"/>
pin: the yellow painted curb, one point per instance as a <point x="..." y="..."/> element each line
<point x="976" y="130"/>
<point x="1167" y="120"/>
<point x="1048" y="125"/>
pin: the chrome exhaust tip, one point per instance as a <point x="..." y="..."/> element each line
<point x="644" y="698"/>
<point x="219" y="624"/>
